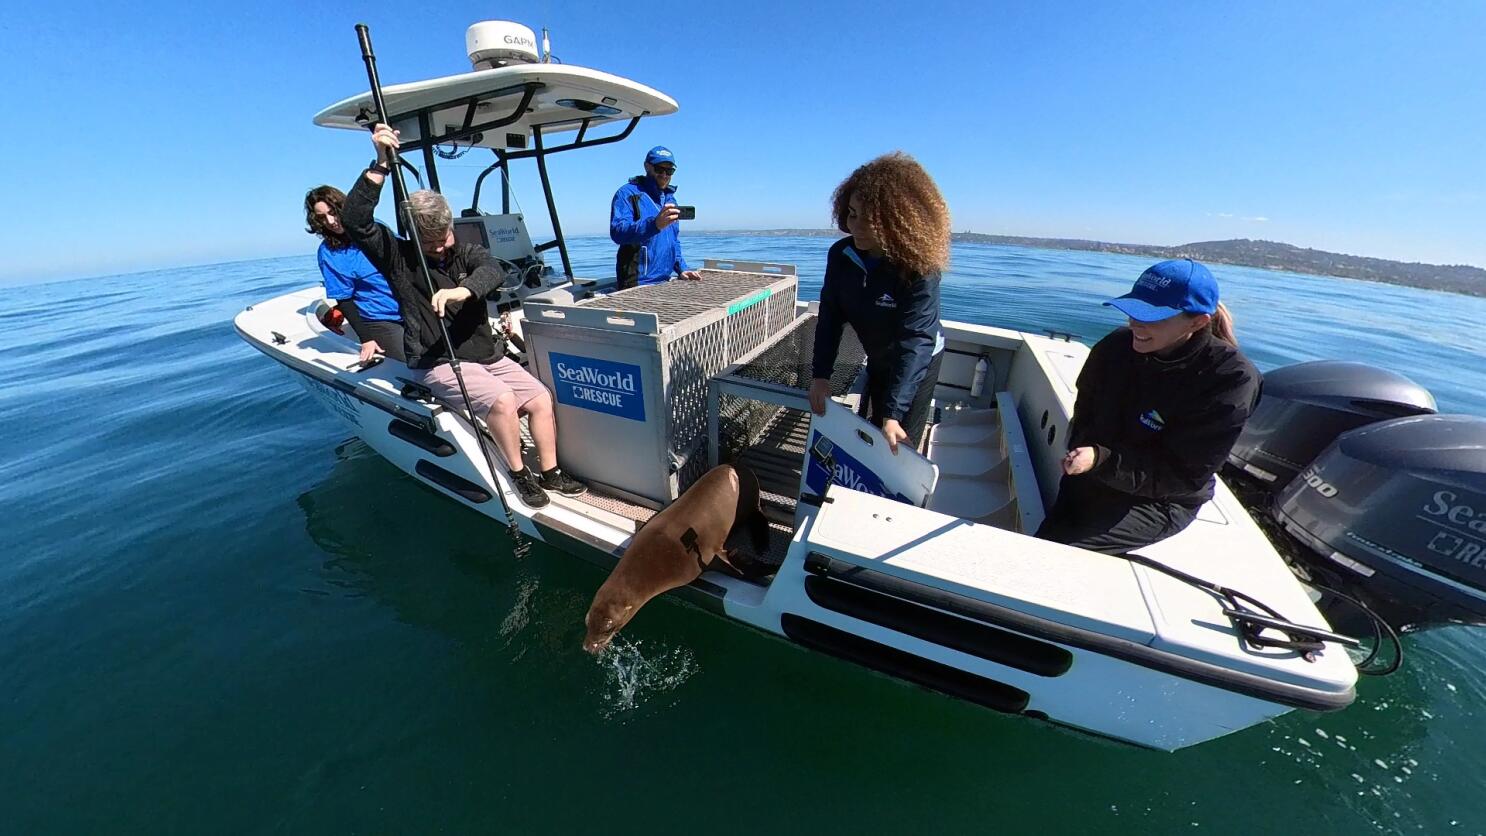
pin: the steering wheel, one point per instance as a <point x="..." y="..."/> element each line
<point x="514" y="275"/>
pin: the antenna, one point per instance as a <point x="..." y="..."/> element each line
<point x="546" y="47"/>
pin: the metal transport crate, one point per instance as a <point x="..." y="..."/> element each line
<point x="629" y="372"/>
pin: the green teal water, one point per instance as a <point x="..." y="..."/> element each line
<point x="219" y="614"/>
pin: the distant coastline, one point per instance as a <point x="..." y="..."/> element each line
<point x="1268" y="255"/>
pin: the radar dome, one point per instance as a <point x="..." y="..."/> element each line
<point x="500" y="43"/>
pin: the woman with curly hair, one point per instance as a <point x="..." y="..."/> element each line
<point x="883" y="280"/>
<point x="360" y="290"/>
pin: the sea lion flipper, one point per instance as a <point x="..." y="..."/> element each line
<point x="750" y="512"/>
<point x="727" y="562"/>
<point x="748" y="566"/>
<point x="758" y="531"/>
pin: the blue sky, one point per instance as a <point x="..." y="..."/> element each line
<point x="168" y="133"/>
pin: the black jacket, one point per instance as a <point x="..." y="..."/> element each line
<point x="464" y="265"/>
<point x="897" y="322"/>
<point x="1162" y="426"/>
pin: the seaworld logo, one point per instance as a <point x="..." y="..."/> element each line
<point x="829" y="465"/>
<point x="598" y="385"/>
<point x="1444" y="504"/>
<point x="589" y="375"/>
<point x="848" y="478"/>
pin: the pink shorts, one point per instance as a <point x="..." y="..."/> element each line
<point x="486" y="382"/>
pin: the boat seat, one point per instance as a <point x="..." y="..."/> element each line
<point x="972" y="459"/>
<point x="985" y="468"/>
<point x="979" y="432"/>
<point x="974" y="497"/>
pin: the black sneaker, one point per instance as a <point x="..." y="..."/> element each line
<point x="528" y="489"/>
<point x="556" y="480"/>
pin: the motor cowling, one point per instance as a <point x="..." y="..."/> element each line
<point x="1305" y="407"/>
<point x="1398" y="510"/>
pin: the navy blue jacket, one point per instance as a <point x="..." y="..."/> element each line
<point x="896" y="322"/>
<point x="659" y="250"/>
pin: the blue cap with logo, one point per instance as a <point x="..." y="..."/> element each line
<point x="660" y="154"/>
<point x="1167" y="289"/>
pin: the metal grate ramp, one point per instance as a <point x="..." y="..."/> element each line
<point x="761" y="413"/>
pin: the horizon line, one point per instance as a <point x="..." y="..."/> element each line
<point x="782" y="231"/>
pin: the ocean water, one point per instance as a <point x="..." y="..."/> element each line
<point x="218" y="614"/>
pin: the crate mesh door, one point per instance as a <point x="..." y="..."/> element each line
<point x="692" y="360"/>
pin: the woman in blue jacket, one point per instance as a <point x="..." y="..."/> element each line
<point x="360" y="291"/>
<point x="883" y="281"/>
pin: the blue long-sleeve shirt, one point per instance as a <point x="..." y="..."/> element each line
<point x="350" y="276"/>
<point x="897" y="322"/>
<point x="632" y="223"/>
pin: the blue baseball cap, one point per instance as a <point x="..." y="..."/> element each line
<point x="1167" y="289"/>
<point x="660" y="154"/>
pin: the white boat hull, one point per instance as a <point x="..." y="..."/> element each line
<point x="1133" y="657"/>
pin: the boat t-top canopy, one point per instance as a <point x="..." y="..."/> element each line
<point x="508" y="110"/>
<point x="500" y="108"/>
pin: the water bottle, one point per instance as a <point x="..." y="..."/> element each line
<point x="979" y="384"/>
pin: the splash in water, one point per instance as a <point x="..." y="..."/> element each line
<point x="520" y="612"/>
<point x="632" y="678"/>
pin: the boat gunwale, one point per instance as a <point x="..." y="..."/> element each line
<point x="1154" y="658"/>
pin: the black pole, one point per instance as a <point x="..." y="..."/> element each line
<point x="505" y="186"/>
<point x="405" y="215"/>
<point x="541" y="155"/>
<point x="425" y="129"/>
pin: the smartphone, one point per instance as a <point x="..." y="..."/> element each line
<point x="688" y="213"/>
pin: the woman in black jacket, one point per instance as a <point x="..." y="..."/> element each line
<point x="1160" y="404"/>
<point x="883" y="280"/>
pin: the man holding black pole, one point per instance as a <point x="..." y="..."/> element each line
<point x="500" y="389"/>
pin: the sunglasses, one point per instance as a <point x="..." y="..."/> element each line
<point x="667" y="170"/>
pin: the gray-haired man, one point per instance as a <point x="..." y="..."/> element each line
<point x="464" y="274"/>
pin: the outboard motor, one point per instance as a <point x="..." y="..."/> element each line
<point x="1306" y="406"/>
<point x="1396" y="514"/>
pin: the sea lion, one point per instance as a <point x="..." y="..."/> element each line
<point x="673" y="549"/>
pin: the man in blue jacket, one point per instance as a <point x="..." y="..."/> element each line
<point x="643" y="221"/>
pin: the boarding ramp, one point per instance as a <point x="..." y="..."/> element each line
<point x="630" y="371"/>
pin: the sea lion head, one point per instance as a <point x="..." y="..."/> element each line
<point x="604" y="619"/>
